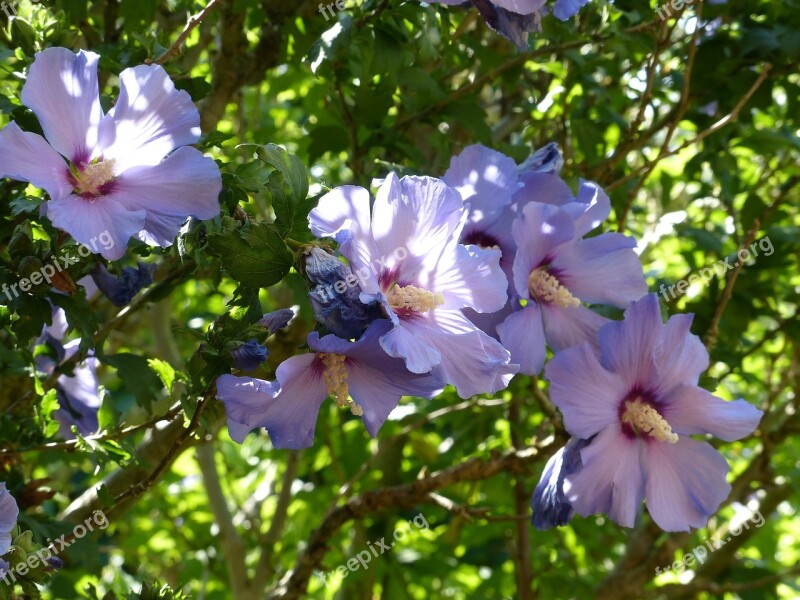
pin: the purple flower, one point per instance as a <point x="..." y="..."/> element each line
<point x="407" y="256"/>
<point x="276" y="320"/>
<point x="9" y="512"/>
<point x="288" y="407"/>
<point x="248" y="356"/>
<point x="641" y="400"/>
<point x="335" y="297"/>
<point x="556" y="270"/>
<point x="549" y="503"/>
<point x="115" y="181"/>
<point x="515" y="19"/>
<point x="77" y="394"/>
<point x="496" y="189"/>
<point x="121" y="289"/>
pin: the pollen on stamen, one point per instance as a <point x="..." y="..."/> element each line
<point x="335" y="375"/>
<point x="545" y="287"/>
<point x="413" y="298"/>
<point x="93" y="177"/>
<point x="643" y="418"/>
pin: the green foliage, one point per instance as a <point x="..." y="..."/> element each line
<point x="693" y="133"/>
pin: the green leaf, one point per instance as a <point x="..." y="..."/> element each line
<point x="287" y="186"/>
<point x="255" y="255"/>
<point x="136" y="375"/>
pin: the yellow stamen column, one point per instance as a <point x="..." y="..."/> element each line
<point x="335" y="375"/>
<point x="645" y="419"/>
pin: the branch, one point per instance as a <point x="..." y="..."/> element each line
<point x="193" y="22"/>
<point x="294" y="584"/>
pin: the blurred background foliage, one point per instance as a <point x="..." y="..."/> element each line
<point x="690" y="124"/>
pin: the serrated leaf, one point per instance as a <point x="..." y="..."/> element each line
<point x="256" y="255"/>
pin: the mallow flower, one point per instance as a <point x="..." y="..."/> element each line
<point x="638" y="403"/>
<point x="9" y="512"/>
<point x="358" y="375"/>
<point x="407" y="256"/>
<point x="78" y="397"/>
<point x="496" y="189"/>
<point x="515" y="19"/>
<point x="549" y="503"/>
<point x="126" y="173"/>
<point x="556" y="270"/>
<point x="248" y="356"/>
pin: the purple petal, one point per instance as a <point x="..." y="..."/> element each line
<point x="427" y="216"/>
<point x="247" y="402"/>
<point x="28" y="157"/>
<point x="472" y="278"/>
<point x="87" y="220"/>
<point x="565" y="9"/>
<point x="473" y="362"/>
<point x="628" y="347"/>
<point x="547" y="159"/>
<point x="547" y="188"/>
<point x="185" y="184"/>
<point x="587" y="395"/>
<point x="611" y="481"/>
<point x="249" y="356"/>
<point x="590" y="208"/>
<point x="276" y="320"/>
<point x="419" y="356"/>
<point x="9" y="513"/>
<point x="691" y="410"/>
<point x="522" y="334"/>
<point x="681" y="358"/>
<point x="538" y="230"/>
<point x="343" y="214"/>
<point x="521" y="7"/>
<point x="485" y="178"/>
<point x="686" y="483"/>
<point x="549" y="505"/>
<point x="121" y="289"/>
<point x="62" y="90"/>
<point x="288" y="412"/>
<point x="570" y="326"/>
<point x="149" y="120"/>
<point x="602" y="270"/>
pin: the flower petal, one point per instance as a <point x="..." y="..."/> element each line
<point x="611" y="481"/>
<point x="420" y="215"/>
<point x="149" y="120"/>
<point x="538" y="230"/>
<point x="62" y="91"/>
<point x="247" y="402"/>
<point x="681" y="358"/>
<point x="570" y="326"/>
<point x="87" y="220"/>
<point x="586" y="393"/>
<point x="522" y="333"/>
<point x="691" y="410"/>
<point x="686" y="483"/>
<point x="9" y="513"/>
<point x="628" y="347"/>
<point x="485" y="178"/>
<point x="470" y="277"/>
<point x="602" y="270"/>
<point x="473" y="362"/>
<point x="343" y="214"/>
<point x="564" y="9"/>
<point x="419" y="356"/>
<point x="549" y="503"/>
<point x="28" y="157"/>
<point x="185" y="184"/>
